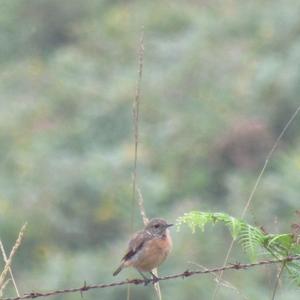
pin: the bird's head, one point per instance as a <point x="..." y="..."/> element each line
<point x="157" y="226"/>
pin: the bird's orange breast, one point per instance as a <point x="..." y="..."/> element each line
<point x="153" y="253"/>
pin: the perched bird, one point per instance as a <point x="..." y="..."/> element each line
<point x="148" y="248"/>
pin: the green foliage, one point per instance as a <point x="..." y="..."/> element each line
<point x="252" y="239"/>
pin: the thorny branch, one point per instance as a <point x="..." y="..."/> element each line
<point x="187" y="273"/>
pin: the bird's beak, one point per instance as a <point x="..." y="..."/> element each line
<point x="169" y="225"/>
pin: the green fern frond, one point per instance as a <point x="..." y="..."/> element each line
<point x="279" y="243"/>
<point x="252" y="239"/>
<point x="293" y="270"/>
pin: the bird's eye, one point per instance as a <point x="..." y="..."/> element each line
<point x="156" y="226"/>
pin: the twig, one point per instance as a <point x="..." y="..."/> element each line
<point x="278" y="279"/>
<point x="185" y="274"/>
<point x="12" y="253"/>
<point x="270" y="154"/>
<point x="249" y="201"/>
<point x="10" y="271"/>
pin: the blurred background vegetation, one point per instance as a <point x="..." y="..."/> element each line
<point x="221" y="79"/>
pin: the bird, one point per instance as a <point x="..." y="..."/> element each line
<point x="148" y="248"/>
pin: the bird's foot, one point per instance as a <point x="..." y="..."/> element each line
<point x="154" y="278"/>
<point x="146" y="280"/>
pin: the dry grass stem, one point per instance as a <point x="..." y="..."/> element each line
<point x="12" y="253"/>
<point x="10" y="271"/>
<point x="141" y="206"/>
<point x="4" y="286"/>
<point x="278" y="276"/>
<point x="135" y="111"/>
<point x="145" y="221"/>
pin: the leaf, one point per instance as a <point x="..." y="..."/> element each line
<point x="251" y="238"/>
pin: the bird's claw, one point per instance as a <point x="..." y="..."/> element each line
<point x="155" y="279"/>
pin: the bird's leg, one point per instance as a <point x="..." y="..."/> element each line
<point x="154" y="277"/>
<point x="147" y="280"/>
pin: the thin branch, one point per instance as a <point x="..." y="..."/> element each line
<point x="270" y="154"/>
<point x="12" y="253"/>
<point x="278" y="276"/>
<point x="185" y="274"/>
<point x="249" y="201"/>
<point x="9" y="269"/>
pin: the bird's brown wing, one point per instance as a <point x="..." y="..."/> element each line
<point x="135" y="244"/>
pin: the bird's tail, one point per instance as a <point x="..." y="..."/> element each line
<point x="115" y="273"/>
